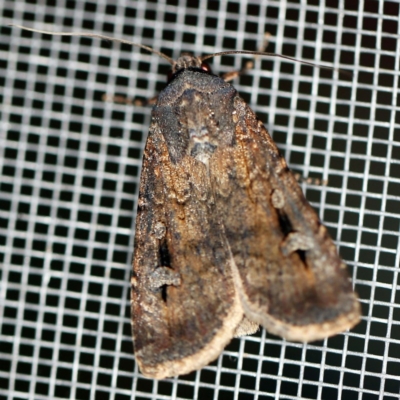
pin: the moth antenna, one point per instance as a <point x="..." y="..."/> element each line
<point x="103" y="37"/>
<point x="260" y="53"/>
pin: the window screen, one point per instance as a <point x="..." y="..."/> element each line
<point x="69" y="174"/>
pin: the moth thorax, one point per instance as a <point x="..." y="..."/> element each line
<point x="187" y="60"/>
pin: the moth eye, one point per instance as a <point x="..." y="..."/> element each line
<point x="205" y="67"/>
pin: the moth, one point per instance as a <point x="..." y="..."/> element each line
<point x="225" y="239"/>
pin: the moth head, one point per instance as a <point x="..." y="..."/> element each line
<point x="188" y="60"/>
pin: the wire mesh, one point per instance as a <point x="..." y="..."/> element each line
<point x="70" y="166"/>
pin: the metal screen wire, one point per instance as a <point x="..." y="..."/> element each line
<point x="69" y="175"/>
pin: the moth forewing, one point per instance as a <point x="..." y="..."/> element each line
<point x="180" y="320"/>
<point x="286" y="267"/>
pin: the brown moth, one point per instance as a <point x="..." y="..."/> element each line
<point x="225" y="239"/>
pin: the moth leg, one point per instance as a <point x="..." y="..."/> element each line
<point x="229" y="76"/>
<point x="127" y="100"/>
<point x="311" y="181"/>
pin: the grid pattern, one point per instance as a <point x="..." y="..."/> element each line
<point x="69" y="172"/>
